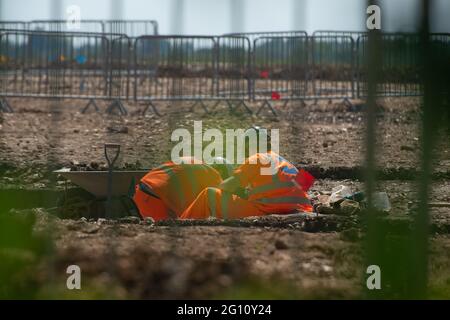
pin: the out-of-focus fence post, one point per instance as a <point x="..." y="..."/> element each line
<point x="435" y="67"/>
<point x="374" y="236"/>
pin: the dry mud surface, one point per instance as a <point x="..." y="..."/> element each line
<point x="276" y="258"/>
<point x="273" y="257"/>
<point x="55" y="133"/>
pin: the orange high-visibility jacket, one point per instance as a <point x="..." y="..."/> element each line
<point x="167" y="190"/>
<point x="280" y="191"/>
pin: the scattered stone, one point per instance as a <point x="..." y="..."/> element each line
<point x="323" y="198"/>
<point x="74" y="163"/>
<point x="281" y="245"/>
<point x="327" y="268"/>
<point x="90" y="229"/>
<point x="407" y="148"/>
<point x="130" y="220"/>
<point x="117" y="130"/>
<point x="349" y="207"/>
<point x="322" y="209"/>
<point x="148" y="221"/>
<point x="94" y="166"/>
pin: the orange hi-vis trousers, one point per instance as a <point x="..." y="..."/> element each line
<point x="213" y="202"/>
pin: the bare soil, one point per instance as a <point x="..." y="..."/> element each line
<point x="55" y="133"/>
<point x="273" y="257"/>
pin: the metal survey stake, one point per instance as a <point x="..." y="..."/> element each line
<point x="111" y="161"/>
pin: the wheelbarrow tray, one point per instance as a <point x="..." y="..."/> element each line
<point x="96" y="182"/>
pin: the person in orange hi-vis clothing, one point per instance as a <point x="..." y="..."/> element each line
<point x="166" y="191"/>
<point x="282" y="191"/>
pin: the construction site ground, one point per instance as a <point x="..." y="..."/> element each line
<point x="295" y="256"/>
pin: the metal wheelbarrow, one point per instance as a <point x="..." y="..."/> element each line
<point x="106" y="186"/>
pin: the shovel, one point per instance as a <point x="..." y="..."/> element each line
<point x="111" y="160"/>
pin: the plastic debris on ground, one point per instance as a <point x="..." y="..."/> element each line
<point x="343" y="201"/>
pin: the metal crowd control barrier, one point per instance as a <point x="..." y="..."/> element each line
<point x="174" y="68"/>
<point x="95" y="26"/>
<point x="329" y="65"/>
<point x="15" y="25"/>
<point x="62" y="65"/>
<point x="400" y="65"/>
<point x="332" y="67"/>
<point x="280" y="69"/>
<point x="119" y="71"/>
<point x="252" y="36"/>
<point x="332" y="33"/>
<point x="41" y="64"/>
<point x="132" y="28"/>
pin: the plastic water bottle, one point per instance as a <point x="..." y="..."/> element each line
<point x="381" y="201"/>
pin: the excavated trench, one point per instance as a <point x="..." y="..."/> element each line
<point x="67" y="201"/>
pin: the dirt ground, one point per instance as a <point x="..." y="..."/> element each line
<point x="275" y="257"/>
<point x="329" y="137"/>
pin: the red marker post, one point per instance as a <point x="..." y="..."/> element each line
<point x="264" y="74"/>
<point x="276" y="95"/>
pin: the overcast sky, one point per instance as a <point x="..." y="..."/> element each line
<point x="222" y="16"/>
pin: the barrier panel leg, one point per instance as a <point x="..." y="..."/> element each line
<point x="242" y="102"/>
<point x="117" y="104"/>
<point x="151" y="105"/>
<point x="90" y="103"/>
<point x="5" y="106"/>
<point x="233" y="108"/>
<point x="199" y="103"/>
<point x="266" y="103"/>
<point x="346" y="102"/>
<point x="215" y="105"/>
